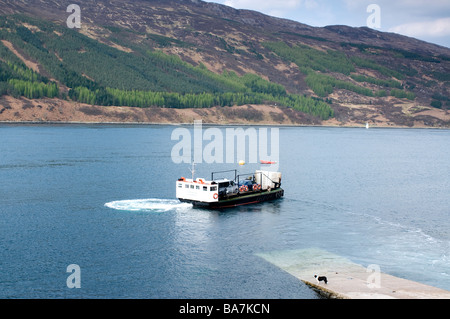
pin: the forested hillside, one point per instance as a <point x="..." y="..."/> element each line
<point x="191" y="54"/>
<point x="98" y="74"/>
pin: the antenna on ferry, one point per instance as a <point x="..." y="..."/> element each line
<point x="192" y="170"/>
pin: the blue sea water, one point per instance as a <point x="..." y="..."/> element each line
<point x="103" y="197"/>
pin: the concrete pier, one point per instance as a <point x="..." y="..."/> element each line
<point x="348" y="280"/>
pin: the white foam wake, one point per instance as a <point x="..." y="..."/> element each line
<point x="151" y="205"/>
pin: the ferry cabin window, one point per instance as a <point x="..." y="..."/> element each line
<point x="192" y="186"/>
<point x="186" y="186"/>
<point x="180" y="185"/>
<point x="197" y="187"/>
<point x="213" y="188"/>
<point x="205" y="188"/>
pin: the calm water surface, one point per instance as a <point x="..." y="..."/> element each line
<point x="377" y="196"/>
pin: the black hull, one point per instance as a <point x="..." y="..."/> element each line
<point x="240" y="200"/>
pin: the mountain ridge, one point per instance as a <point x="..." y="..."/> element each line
<point x="364" y="75"/>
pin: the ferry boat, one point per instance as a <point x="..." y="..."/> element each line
<point x="219" y="193"/>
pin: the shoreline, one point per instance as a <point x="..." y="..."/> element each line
<point x="55" y="123"/>
<point x="56" y="112"/>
